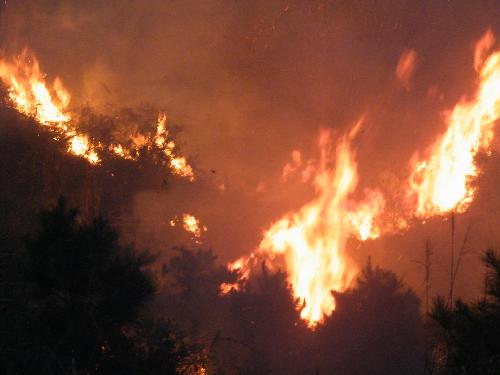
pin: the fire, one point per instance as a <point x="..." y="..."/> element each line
<point x="311" y="241"/>
<point x="47" y="103"/>
<point x="31" y="94"/>
<point x="180" y="167"/>
<point x="441" y="183"/>
<point x="190" y="224"/>
<point x="80" y="145"/>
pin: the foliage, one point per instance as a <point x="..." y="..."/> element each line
<point x="468" y="334"/>
<point x="374" y="329"/>
<point x="77" y="303"/>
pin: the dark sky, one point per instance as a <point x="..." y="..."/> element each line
<point x="248" y="82"/>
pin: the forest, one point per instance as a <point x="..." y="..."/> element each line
<point x="252" y="187"/>
<point x="76" y="298"/>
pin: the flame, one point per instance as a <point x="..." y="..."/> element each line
<point x="190" y="224"/>
<point x="80" y="145"/>
<point x="441" y="183"/>
<point x="312" y="240"/>
<point x="32" y="95"/>
<point x="180" y="167"/>
<point x="161" y="131"/>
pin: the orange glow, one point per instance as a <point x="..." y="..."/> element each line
<point x="190" y="224"/>
<point x="80" y="145"/>
<point x="180" y="167"/>
<point x="406" y="67"/>
<point x="311" y="241"/>
<point x="32" y="95"/>
<point x="441" y="182"/>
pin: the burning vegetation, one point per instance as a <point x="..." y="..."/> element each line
<point x="48" y="104"/>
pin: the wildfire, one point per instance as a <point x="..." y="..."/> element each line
<point x="311" y="241"/>
<point x="32" y="95"/>
<point x="441" y="182"/>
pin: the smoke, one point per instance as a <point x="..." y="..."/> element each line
<point x="248" y="82"/>
<point x="406" y="68"/>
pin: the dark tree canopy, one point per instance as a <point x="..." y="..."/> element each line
<point x="374" y="328"/>
<point x="78" y="301"/>
<point x="468" y="334"/>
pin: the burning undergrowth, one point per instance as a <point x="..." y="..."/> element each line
<point x="86" y="134"/>
<point x="37" y="168"/>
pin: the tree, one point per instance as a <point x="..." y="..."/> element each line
<point x="192" y="295"/>
<point x="374" y="329"/>
<point x="268" y="335"/>
<point x="468" y="334"/>
<point x="192" y="298"/>
<point x="79" y="305"/>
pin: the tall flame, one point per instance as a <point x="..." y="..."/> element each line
<point x="311" y="241"/>
<point x="32" y="95"/>
<point x="441" y="183"/>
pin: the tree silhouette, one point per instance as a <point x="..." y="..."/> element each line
<point x="192" y="298"/>
<point x="192" y="294"/>
<point x="374" y="328"/>
<point x="78" y="305"/>
<point x="468" y="334"/>
<point x="267" y="331"/>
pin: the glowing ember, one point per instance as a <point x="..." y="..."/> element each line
<point x="190" y="224"/>
<point x="31" y="95"/>
<point x="440" y="183"/>
<point x="121" y="151"/>
<point x="311" y="241"/>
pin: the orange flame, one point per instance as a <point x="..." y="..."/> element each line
<point x="441" y="183"/>
<point x="190" y="224"/>
<point x="28" y="90"/>
<point x="311" y="241"/>
<point x="32" y="96"/>
<point x="48" y="104"/>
